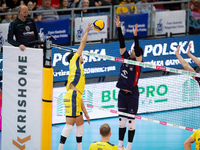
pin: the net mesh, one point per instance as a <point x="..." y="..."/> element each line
<point x="166" y="94"/>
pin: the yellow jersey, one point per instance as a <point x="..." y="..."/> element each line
<point x="196" y="137"/>
<point x="102" y="146"/>
<point x="125" y="9"/>
<point x="76" y="74"/>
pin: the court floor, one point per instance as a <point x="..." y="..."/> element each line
<point x="149" y="135"/>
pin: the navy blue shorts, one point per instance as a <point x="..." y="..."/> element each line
<point x="128" y="102"/>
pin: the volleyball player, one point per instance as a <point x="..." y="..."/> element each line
<point x="128" y="96"/>
<point x="194" y="137"/>
<point x="73" y="101"/>
<point x="104" y="144"/>
<point x="185" y="64"/>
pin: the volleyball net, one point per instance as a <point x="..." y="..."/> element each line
<point x="168" y="96"/>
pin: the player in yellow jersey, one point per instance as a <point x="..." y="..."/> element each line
<point x="194" y="137"/>
<point x="104" y="144"/>
<point x="73" y="101"/>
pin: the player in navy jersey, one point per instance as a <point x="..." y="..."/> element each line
<point x="185" y="64"/>
<point x="128" y="97"/>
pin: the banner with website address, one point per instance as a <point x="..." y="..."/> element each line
<point x="156" y="94"/>
<point x="165" y="23"/>
<point x="22" y="98"/>
<point x="129" y="21"/>
<point x="57" y="28"/>
<point x="93" y="34"/>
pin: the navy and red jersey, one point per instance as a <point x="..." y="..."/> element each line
<point x="129" y="75"/>
<point x="198" y="80"/>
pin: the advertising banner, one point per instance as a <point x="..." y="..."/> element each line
<point x="129" y="21"/>
<point x="156" y="94"/>
<point x="57" y="28"/>
<point x="157" y="51"/>
<point x="194" y="19"/>
<point x="22" y="98"/>
<point x="93" y="34"/>
<point x="4" y="34"/>
<point x="165" y="23"/>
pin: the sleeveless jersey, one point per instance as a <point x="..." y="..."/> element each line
<point x="76" y="74"/>
<point x="129" y="75"/>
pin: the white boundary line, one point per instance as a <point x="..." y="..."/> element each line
<point x="142" y="118"/>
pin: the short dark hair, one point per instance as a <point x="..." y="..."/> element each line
<point x="105" y="129"/>
<point x="69" y="57"/>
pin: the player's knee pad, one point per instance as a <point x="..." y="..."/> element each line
<point x="67" y="130"/>
<point x="122" y="122"/>
<point x="131" y="124"/>
<point x="79" y="130"/>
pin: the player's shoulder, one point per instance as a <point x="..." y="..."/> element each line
<point x="114" y="147"/>
<point x="95" y="142"/>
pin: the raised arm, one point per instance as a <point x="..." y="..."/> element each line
<point x="183" y="62"/>
<point x="137" y="48"/>
<point x="195" y="59"/>
<point x="84" y="39"/>
<point x="120" y="35"/>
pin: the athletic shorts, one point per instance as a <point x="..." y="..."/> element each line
<point x="128" y="102"/>
<point x="72" y="101"/>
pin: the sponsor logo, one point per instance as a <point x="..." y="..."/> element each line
<point x="41" y="34"/>
<point x="159" y="27"/>
<point x="21" y="141"/>
<point x="1" y="39"/>
<point x="27" y="28"/>
<point x="123" y="28"/>
<point x="119" y="59"/>
<point x="62" y="57"/>
<point x="124" y="74"/>
<point x="168" y="49"/>
<point x="28" y="33"/>
<point x="79" y="33"/>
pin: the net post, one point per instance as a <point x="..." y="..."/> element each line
<point x="47" y="97"/>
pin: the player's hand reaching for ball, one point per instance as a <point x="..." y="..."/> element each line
<point x="89" y="27"/>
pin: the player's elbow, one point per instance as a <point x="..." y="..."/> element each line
<point x="83" y="42"/>
<point x="186" y="144"/>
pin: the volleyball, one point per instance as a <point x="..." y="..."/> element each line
<point x="98" y="25"/>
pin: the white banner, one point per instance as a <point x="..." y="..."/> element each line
<point x="4" y="34"/>
<point x="170" y="21"/>
<point x="93" y="34"/>
<point x="156" y="94"/>
<point x="22" y="98"/>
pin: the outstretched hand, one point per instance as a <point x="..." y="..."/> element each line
<point x="188" y="52"/>
<point x="117" y="21"/>
<point x="177" y="50"/>
<point x="88" y="27"/>
<point x="135" y="30"/>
